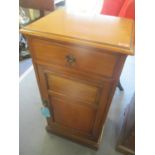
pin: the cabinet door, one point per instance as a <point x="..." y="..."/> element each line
<point x="75" y="104"/>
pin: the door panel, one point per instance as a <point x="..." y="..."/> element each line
<point x="73" y="115"/>
<point x="72" y="102"/>
<point x="75" y="104"/>
<point x="72" y="88"/>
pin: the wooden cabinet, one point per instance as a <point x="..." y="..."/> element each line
<point x="78" y="69"/>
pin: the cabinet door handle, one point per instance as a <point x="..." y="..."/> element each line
<point x="70" y="59"/>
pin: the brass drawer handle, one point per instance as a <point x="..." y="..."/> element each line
<point x="70" y="59"/>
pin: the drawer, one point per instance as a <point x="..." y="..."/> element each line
<point x="74" y="57"/>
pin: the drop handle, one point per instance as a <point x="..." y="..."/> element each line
<point x="70" y="59"/>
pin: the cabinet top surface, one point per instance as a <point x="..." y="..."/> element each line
<point x="101" y="31"/>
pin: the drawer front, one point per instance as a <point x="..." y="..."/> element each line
<point x="74" y="57"/>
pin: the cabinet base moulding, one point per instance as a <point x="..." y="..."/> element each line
<point x="80" y="140"/>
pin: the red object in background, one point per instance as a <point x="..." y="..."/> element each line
<point x="121" y="8"/>
<point x="112" y="7"/>
<point x="128" y="9"/>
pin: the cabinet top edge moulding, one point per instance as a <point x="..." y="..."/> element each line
<point x="113" y="34"/>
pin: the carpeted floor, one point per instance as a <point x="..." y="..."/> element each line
<point x="24" y="65"/>
<point x="34" y="140"/>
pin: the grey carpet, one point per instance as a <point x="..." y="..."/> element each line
<point x="24" y="65"/>
<point x="34" y="140"/>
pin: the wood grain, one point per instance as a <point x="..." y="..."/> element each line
<point x="111" y="33"/>
<point x="86" y="59"/>
<point x="78" y="61"/>
<point x="73" y="89"/>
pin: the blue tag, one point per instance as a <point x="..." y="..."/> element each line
<point x="45" y="112"/>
